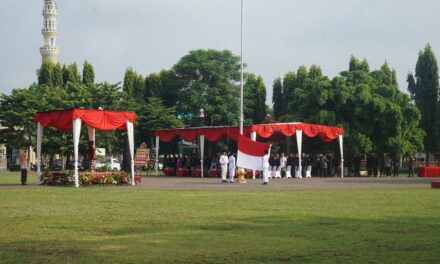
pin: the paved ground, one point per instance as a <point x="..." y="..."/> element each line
<point x="181" y="183"/>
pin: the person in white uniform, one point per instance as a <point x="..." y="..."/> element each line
<point x="266" y="168"/>
<point x="231" y="168"/>
<point x="283" y="163"/>
<point x="224" y="166"/>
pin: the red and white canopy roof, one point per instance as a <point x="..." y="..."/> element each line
<point x="274" y="132"/>
<point x="98" y="119"/>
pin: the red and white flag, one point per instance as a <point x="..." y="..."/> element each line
<point x="250" y="153"/>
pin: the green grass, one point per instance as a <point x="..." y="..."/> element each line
<point x="112" y="225"/>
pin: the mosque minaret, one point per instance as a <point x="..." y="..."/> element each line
<point x="49" y="51"/>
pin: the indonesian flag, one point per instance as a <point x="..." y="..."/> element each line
<point x="250" y="153"/>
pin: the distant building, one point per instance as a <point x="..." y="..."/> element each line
<point x="49" y="51"/>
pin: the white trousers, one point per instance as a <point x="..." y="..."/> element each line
<point x="266" y="174"/>
<point x="224" y="170"/>
<point x="231" y="174"/>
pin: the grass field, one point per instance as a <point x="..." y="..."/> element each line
<point x="114" y="225"/>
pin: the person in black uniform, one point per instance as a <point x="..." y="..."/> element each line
<point x="271" y="161"/>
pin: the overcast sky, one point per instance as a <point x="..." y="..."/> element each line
<point x="280" y="35"/>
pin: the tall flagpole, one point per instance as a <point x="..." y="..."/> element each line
<point x="241" y="80"/>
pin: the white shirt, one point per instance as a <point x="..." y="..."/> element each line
<point x="283" y="162"/>
<point x="232" y="162"/>
<point x="266" y="161"/>
<point x="224" y="160"/>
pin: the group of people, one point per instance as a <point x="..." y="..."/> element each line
<point x="384" y="166"/>
<point x="318" y="165"/>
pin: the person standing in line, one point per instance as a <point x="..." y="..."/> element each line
<point x="411" y="162"/>
<point x="24" y="168"/>
<point x="381" y="167"/>
<point x="375" y="163"/>
<point x="271" y="161"/>
<point x="396" y="166"/>
<point x="324" y="166"/>
<point x="224" y="166"/>
<point x="283" y="164"/>
<point x="231" y="168"/>
<point x="266" y="167"/>
<point x="290" y="163"/>
<point x="388" y="166"/>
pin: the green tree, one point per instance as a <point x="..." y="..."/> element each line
<point x="134" y="84"/>
<point x="207" y="79"/>
<point x="277" y="98"/>
<point x="88" y="76"/>
<point x="425" y="94"/>
<point x="254" y="99"/>
<point x="155" y="115"/>
<point x="71" y="74"/>
<point x="58" y="75"/>
<point x="45" y="74"/>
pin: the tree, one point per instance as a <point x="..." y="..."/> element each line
<point x="134" y="84"/>
<point x="254" y="99"/>
<point x="377" y="117"/>
<point x="155" y="115"/>
<point x="88" y="74"/>
<point x="58" y="75"/>
<point x="260" y="112"/>
<point x="425" y="94"/>
<point x="289" y="85"/>
<point x="207" y="79"/>
<point x="277" y="98"/>
<point x="71" y="74"/>
<point x="45" y="74"/>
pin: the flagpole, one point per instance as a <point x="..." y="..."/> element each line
<point x="241" y="79"/>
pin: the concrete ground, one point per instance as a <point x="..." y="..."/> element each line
<point x="187" y="183"/>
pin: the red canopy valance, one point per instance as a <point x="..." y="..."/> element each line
<point x="98" y="119"/>
<point x="274" y="132"/>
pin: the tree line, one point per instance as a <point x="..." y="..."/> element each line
<point x="378" y="118"/>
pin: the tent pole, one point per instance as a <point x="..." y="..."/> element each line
<point x="341" y="147"/>
<point x="130" y="134"/>
<point x="202" y="153"/>
<point x="299" y="143"/>
<point x="157" y="156"/>
<point x="253" y="138"/>
<point x="39" y="142"/>
<point x="76" y="136"/>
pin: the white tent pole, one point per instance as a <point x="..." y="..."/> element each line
<point x="39" y="143"/>
<point x="157" y="156"/>
<point x="341" y="147"/>
<point x="253" y="138"/>
<point x="202" y="152"/>
<point x="76" y="136"/>
<point x="130" y="134"/>
<point x="299" y="143"/>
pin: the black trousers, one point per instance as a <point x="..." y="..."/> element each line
<point x="23" y="175"/>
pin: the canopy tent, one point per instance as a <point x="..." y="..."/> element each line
<point x="71" y="120"/>
<point x="274" y="132"/>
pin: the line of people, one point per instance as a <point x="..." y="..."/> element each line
<point x="311" y="165"/>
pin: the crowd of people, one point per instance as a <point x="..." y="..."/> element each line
<point x="321" y="165"/>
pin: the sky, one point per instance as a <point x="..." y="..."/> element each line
<point x="279" y="35"/>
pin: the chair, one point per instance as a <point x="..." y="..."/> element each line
<point x="288" y="173"/>
<point x="309" y="172"/>
<point x="278" y="173"/>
